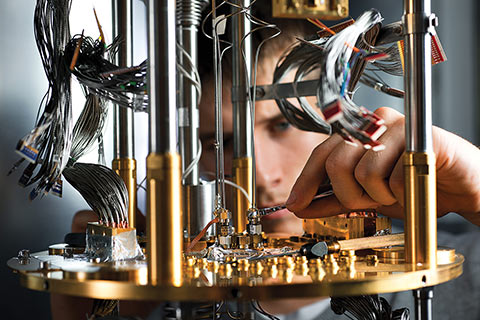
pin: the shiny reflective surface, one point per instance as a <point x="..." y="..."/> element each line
<point x="281" y="277"/>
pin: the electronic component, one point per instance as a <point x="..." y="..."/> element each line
<point x="105" y="243"/>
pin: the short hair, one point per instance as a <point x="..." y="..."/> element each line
<point x="261" y="9"/>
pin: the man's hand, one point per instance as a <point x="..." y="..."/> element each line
<point x="367" y="179"/>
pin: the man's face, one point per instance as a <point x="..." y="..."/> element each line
<point x="281" y="150"/>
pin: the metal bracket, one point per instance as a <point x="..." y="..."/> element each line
<point x="286" y="90"/>
<point x="419" y="23"/>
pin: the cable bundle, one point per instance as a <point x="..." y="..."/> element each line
<point x="367" y="308"/>
<point x="338" y="63"/>
<point x="54" y="145"/>
<point x="103" y="190"/>
<point x="124" y="86"/>
<point x="47" y="146"/>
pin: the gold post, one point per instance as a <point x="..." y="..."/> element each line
<point x="420" y="209"/>
<point x="127" y="170"/>
<point x="242" y="176"/>
<point x="164" y="219"/>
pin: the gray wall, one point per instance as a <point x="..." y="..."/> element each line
<point x="22" y="84"/>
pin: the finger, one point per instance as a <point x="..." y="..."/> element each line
<point x="325" y="207"/>
<point x="340" y="166"/>
<point x="312" y="176"/>
<point x="393" y="211"/>
<point x="374" y="169"/>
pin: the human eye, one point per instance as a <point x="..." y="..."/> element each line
<point x="281" y="126"/>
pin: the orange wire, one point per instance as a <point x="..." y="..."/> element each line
<point x="200" y="235"/>
<point x="76" y="52"/>
<point x="320" y="23"/>
<point x="102" y="37"/>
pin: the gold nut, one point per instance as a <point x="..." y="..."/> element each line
<point x="243" y="264"/>
<point x="213" y="266"/>
<point x="243" y="241"/>
<point x="258" y="268"/>
<point x="301" y="259"/>
<point x="315" y="262"/>
<point x="203" y="263"/>
<point x="191" y="261"/>
<point x="196" y="273"/>
<point x="272" y="261"/>
<point x="223" y="214"/>
<point x="347" y="253"/>
<point x="372" y="260"/>
<point x="330" y="258"/>
<point x="230" y="259"/>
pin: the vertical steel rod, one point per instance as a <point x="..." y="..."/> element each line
<point x="242" y="117"/>
<point x="164" y="200"/>
<point x="423" y="303"/>
<point x="219" y="155"/>
<point x="188" y="20"/>
<point x="123" y="147"/>
<point x="198" y="198"/>
<point x="419" y="161"/>
<point x="419" y="158"/>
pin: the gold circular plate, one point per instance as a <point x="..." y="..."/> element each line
<point x="240" y="280"/>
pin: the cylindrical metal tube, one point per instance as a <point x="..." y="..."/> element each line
<point x="423" y="303"/>
<point x="164" y="190"/>
<point x="188" y="115"/>
<point x="242" y="117"/>
<point x="198" y="207"/>
<point x="162" y="76"/>
<point x="419" y="160"/>
<point x="219" y="155"/>
<point x="164" y="219"/>
<point x="127" y="170"/>
<point x="188" y="20"/>
<point x="242" y="176"/>
<point x="123" y="147"/>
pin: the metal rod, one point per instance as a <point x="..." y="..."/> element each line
<point x="419" y="159"/>
<point x="242" y="115"/>
<point x="219" y="155"/>
<point x="123" y="123"/>
<point x="423" y="303"/>
<point x="188" y="20"/>
<point x="162" y="76"/>
<point x="164" y="190"/>
<point x="198" y="200"/>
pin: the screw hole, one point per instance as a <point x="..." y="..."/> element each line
<point x="424" y="279"/>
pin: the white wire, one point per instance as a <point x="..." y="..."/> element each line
<point x="233" y="184"/>
<point x="193" y="163"/>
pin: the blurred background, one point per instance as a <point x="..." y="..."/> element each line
<point x="35" y="225"/>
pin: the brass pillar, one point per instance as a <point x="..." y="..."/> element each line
<point x="242" y="176"/>
<point x="123" y="120"/>
<point x="127" y="170"/>
<point x="420" y="208"/>
<point x="164" y="219"/>
<point x="419" y="161"/>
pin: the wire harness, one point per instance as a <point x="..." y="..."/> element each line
<point x="338" y="61"/>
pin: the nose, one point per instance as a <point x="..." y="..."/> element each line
<point x="268" y="165"/>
